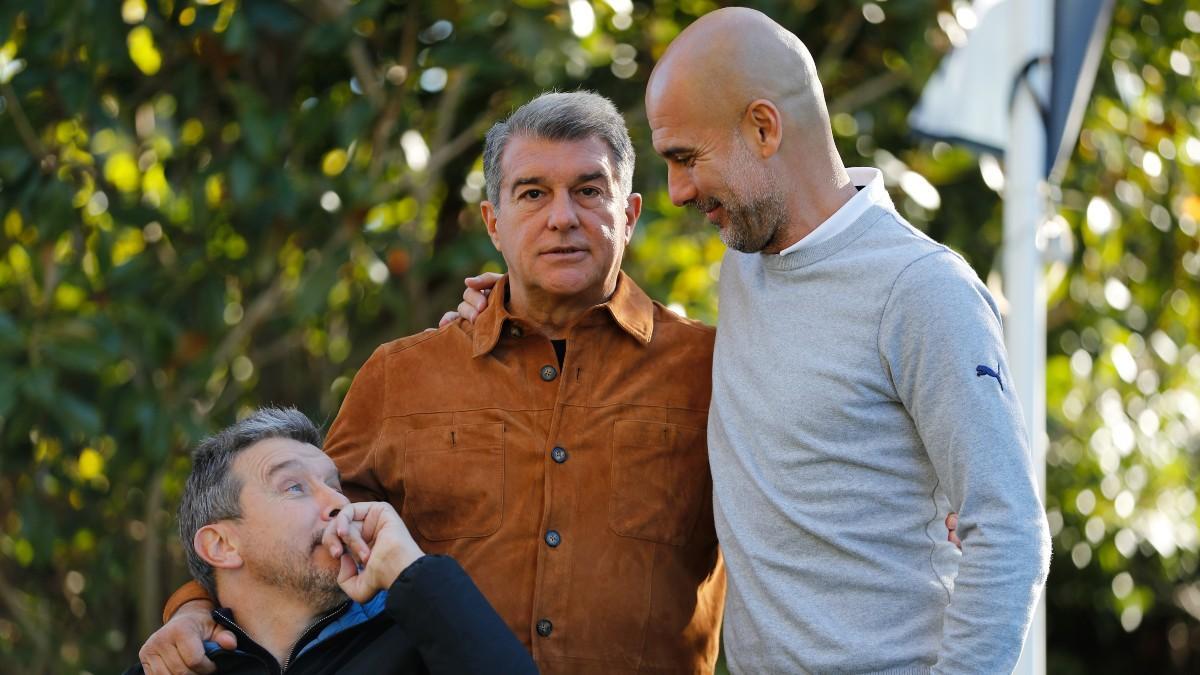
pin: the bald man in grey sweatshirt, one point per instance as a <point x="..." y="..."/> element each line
<point x="860" y="387"/>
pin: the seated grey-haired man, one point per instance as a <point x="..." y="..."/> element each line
<point x="260" y="498"/>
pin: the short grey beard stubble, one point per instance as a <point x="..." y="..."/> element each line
<point x="295" y="572"/>
<point x="754" y="226"/>
<point x="756" y="221"/>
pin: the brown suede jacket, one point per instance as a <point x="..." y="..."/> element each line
<point x="578" y="498"/>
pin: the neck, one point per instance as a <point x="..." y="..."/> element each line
<point x="813" y="202"/>
<point x="553" y="315"/>
<point x="273" y="618"/>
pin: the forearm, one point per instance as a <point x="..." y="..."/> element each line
<point x="454" y="626"/>
<point x="183" y="595"/>
<point x="977" y="444"/>
<point x="1000" y="578"/>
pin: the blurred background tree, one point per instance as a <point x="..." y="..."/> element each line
<point x="209" y="205"/>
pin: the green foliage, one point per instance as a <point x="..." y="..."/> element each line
<point x="207" y="205"/>
<point x="1124" y="370"/>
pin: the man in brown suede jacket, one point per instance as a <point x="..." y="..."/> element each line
<point x="556" y="448"/>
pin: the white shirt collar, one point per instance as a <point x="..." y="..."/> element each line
<point x="872" y="193"/>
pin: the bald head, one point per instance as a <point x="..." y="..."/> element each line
<point x="738" y="113"/>
<point x="728" y="58"/>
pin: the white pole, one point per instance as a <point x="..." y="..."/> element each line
<point x="1022" y="268"/>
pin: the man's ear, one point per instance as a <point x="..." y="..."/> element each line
<point x="763" y="126"/>
<point x="633" y="209"/>
<point x="488" y="211"/>
<point x="216" y="545"/>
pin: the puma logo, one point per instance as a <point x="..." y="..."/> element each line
<point x="980" y="371"/>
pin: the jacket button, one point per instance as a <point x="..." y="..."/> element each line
<point x="544" y="627"/>
<point x="559" y="455"/>
<point x="549" y="373"/>
<point x="553" y="538"/>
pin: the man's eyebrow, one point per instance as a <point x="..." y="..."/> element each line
<point x="527" y="180"/>
<point x="676" y="152"/>
<point x="286" y="464"/>
<point x="585" y="177"/>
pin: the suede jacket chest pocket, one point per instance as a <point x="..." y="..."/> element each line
<point x="660" y="481"/>
<point x="454" y="480"/>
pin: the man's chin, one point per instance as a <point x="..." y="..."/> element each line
<point x="326" y="599"/>
<point x="300" y="577"/>
<point x="324" y="589"/>
<point x="568" y="283"/>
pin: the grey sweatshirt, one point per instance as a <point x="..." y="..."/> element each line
<point x="860" y="393"/>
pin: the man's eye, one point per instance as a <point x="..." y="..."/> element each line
<point x="295" y="488"/>
<point x="590" y="192"/>
<point x="531" y="194"/>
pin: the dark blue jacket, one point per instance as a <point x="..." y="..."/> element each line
<point x="432" y="620"/>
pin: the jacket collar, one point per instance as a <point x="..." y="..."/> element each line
<point x="629" y="307"/>
<point x="342" y="618"/>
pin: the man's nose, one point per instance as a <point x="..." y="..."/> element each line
<point x="562" y="212"/>
<point x="680" y="186"/>
<point x="332" y="501"/>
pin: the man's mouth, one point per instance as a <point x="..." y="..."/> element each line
<point x="564" y="251"/>
<point x="710" y="208"/>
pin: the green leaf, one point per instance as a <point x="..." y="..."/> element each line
<point x="153" y="430"/>
<point x="8" y="392"/>
<point x="273" y="17"/>
<point x="74" y="91"/>
<point x="37" y="385"/>
<point x="314" y="289"/>
<point x="242" y="178"/>
<point x="12" y="338"/>
<point x="14" y="161"/>
<point x="78" y="415"/>
<point x="82" y="357"/>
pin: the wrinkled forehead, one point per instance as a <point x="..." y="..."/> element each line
<point x="263" y="461"/>
<point x="533" y="156"/>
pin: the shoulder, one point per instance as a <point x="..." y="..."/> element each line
<point x="897" y="237"/>
<point x="939" y="288"/>
<point x="939" y="274"/>
<point x="937" y="265"/>
<point x="668" y="323"/>
<point x="450" y="336"/>
<point x="664" y="316"/>
<point x="922" y="268"/>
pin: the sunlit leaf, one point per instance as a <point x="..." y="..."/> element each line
<point x="142" y="50"/>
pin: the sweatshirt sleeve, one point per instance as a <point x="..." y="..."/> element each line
<point x="452" y="624"/>
<point x="942" y="344"/>
<point x="352" y="438"/>
<point x="183" y="595"/>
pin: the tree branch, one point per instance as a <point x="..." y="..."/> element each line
<point x="867" y="93"/>
<point x="364" y="71"/>
<point x="150" y="602"/>
<point x="24" y="129"/>
<point x="30" y="624"/>
<point x="840" y="38"/>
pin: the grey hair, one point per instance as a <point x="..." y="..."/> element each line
<point x="213" y="492"/>
<point x="561" y="116"/>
